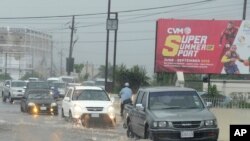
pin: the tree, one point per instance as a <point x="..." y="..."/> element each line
<point x="102" y="69"/>
<point x="78" y="69"/>
<point x="136" y="76"/>
<point x="27" y="75"/>
<point x="5" y="77"/>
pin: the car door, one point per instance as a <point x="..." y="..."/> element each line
<point x="66" y="102"/>
<point x="141" y="118"/>
<point x="135" y="114"/>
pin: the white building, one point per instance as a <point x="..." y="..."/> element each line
<point x="25" y="50"/>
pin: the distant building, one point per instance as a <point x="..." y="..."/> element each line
<point x="25" y="50"/>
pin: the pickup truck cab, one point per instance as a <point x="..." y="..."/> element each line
<point x="13" y="90"/>
<point x="170" y="114"/>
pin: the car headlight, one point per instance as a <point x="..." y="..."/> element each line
<point x="53" y="104"/>
<point x="210" y="122"/>
<point x="111" y="109"/>
<point x="31" y="104"/>
<point x="160" y="124"/>
<point x="77" y="108"/>
<point x="51" y="92"/>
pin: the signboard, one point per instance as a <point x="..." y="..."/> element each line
<point x="203" y="46"/>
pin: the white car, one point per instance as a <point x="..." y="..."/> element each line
<point x="89" y="104"/>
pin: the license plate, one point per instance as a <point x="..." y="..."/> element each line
<point x="187" y="134"/>
<point x="95" y="115"/>
<point x="43" y="108"/>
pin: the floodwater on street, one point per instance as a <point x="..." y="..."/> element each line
<point x="18" y="126"/>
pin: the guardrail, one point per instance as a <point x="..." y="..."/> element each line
<point x="228" y="103"/>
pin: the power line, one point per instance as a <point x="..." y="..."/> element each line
<point x="94" y="14"/>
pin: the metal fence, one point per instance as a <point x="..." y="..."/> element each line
<point x="229" y="102"/>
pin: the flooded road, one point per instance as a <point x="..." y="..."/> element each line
<point x="18" y="126"/>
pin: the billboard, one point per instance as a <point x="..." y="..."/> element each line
<point x="203" y="46"/>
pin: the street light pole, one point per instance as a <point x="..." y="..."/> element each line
<point x="114" y="61"/>
<point x="107" y="48"/>
<point x="244" y="9"/>
<point x="70" y="60"/>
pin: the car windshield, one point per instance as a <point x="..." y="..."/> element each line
<point x="175" y="100"/>
<point x="40" y="96"/>
<point x="95" y="95"/>
<point x="59" y="85"/>
<point x="68" y="80"/>
<point x="38" y="85"/>
<point x="18" y="84"/>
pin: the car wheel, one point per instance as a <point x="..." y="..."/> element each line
<point x="11" y="100"/>
<point x="4" y="98"/>
<point x="130" y="133"/>
<point x="21" y="109"/>
<point x="63" y="116"/>
<point x="70" y="116"/>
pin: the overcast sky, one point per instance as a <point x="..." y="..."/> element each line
<point x="136" y="34"/>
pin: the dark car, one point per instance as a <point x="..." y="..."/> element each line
<point x="38" y="101"/>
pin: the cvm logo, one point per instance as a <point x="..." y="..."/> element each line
<point x="186" y="30"/>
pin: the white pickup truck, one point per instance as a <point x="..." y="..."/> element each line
<point x="13" y="90"/>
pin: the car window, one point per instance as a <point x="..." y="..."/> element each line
<point x="7" y="83"/>
<point x="69" y="93"/>
<point x="175" y="99"/>
<point x="144" y="100"/>
<point x="97" y="95"/>
<point x="38" y="85"/>
<point x="40" y="96"/>
<point x="139" y="97"/>
<point x="18" y="84"/>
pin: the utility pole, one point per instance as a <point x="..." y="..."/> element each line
<point x="114" y="59"/>
<point x="70" y="60"/>
<point x="51" y="65"/>
<point x="61" y="61"/>
<point x="107" y="48"/>
<point x="6" y="64"/>
<point x="244" y="9"/>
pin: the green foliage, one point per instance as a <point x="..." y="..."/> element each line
<point x="213" y="91"/>
<point x="3" y="77"/>
<point x="164" y="79"/>
<point x="101" y="70"/>
<point x="136" y="76"/>
<point x="78" y="68"/>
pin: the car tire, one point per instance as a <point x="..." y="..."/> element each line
<point x="62" y="115"/>
<point x="21" y="109"/>
<point x="11" y="100"/>
<point x="130" y="133"/>
<point x="70" y="117"/>
<point x="4" y="98"/>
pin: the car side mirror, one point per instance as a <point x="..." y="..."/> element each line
<point x="209" y="104"/>
<point x="139" y="107"/>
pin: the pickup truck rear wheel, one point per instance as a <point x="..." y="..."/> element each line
<point x="130" y="133"/>
<point x="4" y="98"/>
